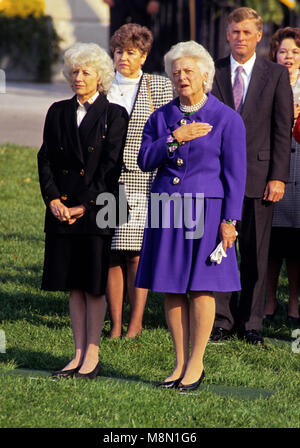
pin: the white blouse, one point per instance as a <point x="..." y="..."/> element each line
<point x="123" y="91"/>
<point x="81" y="110"/>
<point x="296" y="89"/>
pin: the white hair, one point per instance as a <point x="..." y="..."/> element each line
<point x="94" y="56"/>
<point x="191" y="49"/>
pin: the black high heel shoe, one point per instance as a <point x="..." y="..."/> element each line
<point x="193" y="386"/>
<point x="65" y="373"/>
<point x="270" y="317"/>
<point x="91" y="375"/>
<point x="291" y="321"/>
<point x="170" y="384"/>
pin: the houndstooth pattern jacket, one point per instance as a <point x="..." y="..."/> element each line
<point x="153" y="92"/>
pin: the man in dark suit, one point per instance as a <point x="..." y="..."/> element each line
<point x="260" y="91"/>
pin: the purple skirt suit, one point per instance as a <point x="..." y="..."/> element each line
<point x="213" y="166"/>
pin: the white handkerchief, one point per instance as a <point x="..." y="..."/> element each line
<point x="218" y="254"/>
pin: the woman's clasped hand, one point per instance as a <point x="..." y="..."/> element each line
<point x="63" y="213"/>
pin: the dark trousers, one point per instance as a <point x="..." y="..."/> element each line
<point x="128" y="10"/>
<point x="254" y="239"/>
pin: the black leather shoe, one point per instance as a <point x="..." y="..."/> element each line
<point x="219" y="334"/>
<point x="65" y="373"/>
<point x="91" y="375"/>
<point x="253" y="337"/>
<point x="270" y="317"/>
<point x="193" y="386"/>
<point x="170" y="384"/>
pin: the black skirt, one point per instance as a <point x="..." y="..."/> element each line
<point x="76" y="262"/>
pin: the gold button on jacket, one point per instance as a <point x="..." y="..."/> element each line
<point x="179" y="162"/>
<point x="176" y="180"/>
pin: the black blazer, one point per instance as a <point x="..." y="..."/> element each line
<point x="76" y="164"/>
<point x="268" y="116"/>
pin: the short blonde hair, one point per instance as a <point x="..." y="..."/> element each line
<point x="94" y="56"/>
<point x="191" y="49"/>
<point x="244" y="13"/>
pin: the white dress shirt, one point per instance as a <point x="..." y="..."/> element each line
<point x="123" y="91"/>
<point x="246" y="73"/>
<point x="81" y="110"/>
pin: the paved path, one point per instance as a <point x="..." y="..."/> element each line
<point x="23" y="109"/>
<point x="238" y="393"/>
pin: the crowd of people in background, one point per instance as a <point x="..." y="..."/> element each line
<point x="216" y="135"/>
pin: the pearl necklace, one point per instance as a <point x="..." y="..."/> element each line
<point x="194" y="107"/>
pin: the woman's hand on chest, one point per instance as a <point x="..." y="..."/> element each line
<point x="187" y="132"/>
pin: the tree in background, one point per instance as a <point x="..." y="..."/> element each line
<point x="24" y="8"/>
<point x="29" y="43"/>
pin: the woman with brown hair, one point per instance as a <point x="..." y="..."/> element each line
<point x="140" y="94"/>
<point x="285" y="236"/>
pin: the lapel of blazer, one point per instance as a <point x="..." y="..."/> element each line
<point x="259" y="77"/>
<point x="71" y="128"/>
<point x="138" y="117"/>
<point x="173" y="114"/>
<point x="223" y="77"/>
<point x="92" y="117"/>
<point x="141" y="100"/>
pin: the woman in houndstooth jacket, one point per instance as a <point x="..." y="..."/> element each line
<point x="140" y="93"/>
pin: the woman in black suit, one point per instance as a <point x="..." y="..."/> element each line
<point x="80" y="158"/>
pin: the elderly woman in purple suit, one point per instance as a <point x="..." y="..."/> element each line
<point x="197" y="144"/>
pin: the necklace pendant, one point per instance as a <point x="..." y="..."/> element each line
<point x="122" y="94"/>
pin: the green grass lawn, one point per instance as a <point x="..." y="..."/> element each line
<point x="245" y="386"/>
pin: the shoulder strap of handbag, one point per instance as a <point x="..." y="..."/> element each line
<point x="149" y="93"/>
